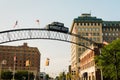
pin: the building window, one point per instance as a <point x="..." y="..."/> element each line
<point x="88" y="24"/>
<point x="89" y="77"/>
<point x="103" y="29"/>
<point x="82" y="29"/>
<point x="87" y="44"/>
<point x="95" y="24"/>
<point x="98" y="39"/>
<point x="98" y="24"/>
<point x="77" y="24"/>
<point x="84" y="24"/>
<point x="79" y="49"/>
<point x="113" y="34"/>
<point x="97" y="29"/>
<point x="89" y="29"/>
<point x="109" y="34"/>
<point x="113" y="29"/>
<point x="86" y="34"/>
<point x="94" y="39"/>
<point x="81" y="24"/>
<point x="102" y="34"/>
<point x="104" y="24"/>
<point x="105" y="34"/>
<point x="108" y="29"/>
<point x="116" y="34"/>
<point x="79" y="29"/>
<point x="86" y="29"/>
<point x="91" y="24"/>
<point x="83" y="49"/>
<point x="117" y="29"/>
<point x="97" y="34"/>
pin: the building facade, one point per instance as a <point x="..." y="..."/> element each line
<point x="17" y="56"/>
<point x="88" y="69"/>
<point x="95" y="29"/>
<point x="110" y="30"/>
<point x="88" y="27"/>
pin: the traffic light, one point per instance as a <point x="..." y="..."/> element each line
<point x="73" y="72"/>
<point x="47" y="62"/>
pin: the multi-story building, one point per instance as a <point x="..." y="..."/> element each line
<point x="110" y="30"/>
<point x="95" y="29"/>
<point x="88" y="27"/>
<point x="88" y="69"/>
<point x="17" y="56"/>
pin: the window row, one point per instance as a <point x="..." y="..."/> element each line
<point x="88" y="29"/>
<point x="110" y="29"/>
<point x="111" y="24"/>
<point x="92" y="63"/>
<point x="88" y="24"/>
<point x="89" y="34"/>
<point x="97" y="39"/>
<point x="110" y="34"/>
<point x="81" y="49"/>
<point x="109" y="38"/>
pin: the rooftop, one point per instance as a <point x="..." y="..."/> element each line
<point x="87" y="18"/>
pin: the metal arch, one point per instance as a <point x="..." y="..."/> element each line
<point x="37" y="33"/>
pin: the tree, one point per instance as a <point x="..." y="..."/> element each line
<point x="6" y="75"/>
<point x="68" y="76"/>
<point x="23" y="75"/>
<point x="109" y="60"/>
<point x="62" y="76"/>
<point x="47" y="77"/>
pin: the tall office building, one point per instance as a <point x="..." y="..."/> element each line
<point x="88" y="27"/>
<point x="20" y="58"/>
<point x="95" y="29"/>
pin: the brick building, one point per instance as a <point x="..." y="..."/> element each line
<point x="18" y="55"/>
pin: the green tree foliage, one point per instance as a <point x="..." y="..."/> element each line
<point x="62" y="76"/>
<point x="6" y="75"/>
<point x="68" y="76"/>
<point x="21" y="75"/>
<point x="47" y="77"/>
<point x="24" y="75"/>
<point x="109" y="60"/>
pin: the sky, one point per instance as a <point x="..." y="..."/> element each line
<point x="26" y="12"/>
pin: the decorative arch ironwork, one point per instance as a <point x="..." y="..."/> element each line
<point x="37" y="33"/>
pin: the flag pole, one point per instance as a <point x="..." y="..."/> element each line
<point x="38" y="22"/>
<point x="16" y="23"/>
<point x="14" y="67"/>
<point x="14" y="72"/>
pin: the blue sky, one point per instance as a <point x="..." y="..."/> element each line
<point x="47" y="11"/>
